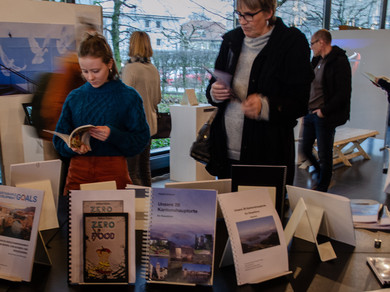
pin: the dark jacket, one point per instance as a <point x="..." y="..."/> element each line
<point x="281" y="72"/>
<point x="385" y="86"/>
<point x="337" y="88"/>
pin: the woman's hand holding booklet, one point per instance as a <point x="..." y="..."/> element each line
<point x="79" y="136"/>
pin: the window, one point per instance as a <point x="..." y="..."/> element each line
<point x="355" y="13"/>
<point x="303" y="14"/>
<point x="192" y="30"/>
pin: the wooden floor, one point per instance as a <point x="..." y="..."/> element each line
<point x="363" y="180"/>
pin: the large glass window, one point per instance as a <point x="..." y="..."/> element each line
<point x="387" y="22"/>
<point x="186" y="34"/>
<point x="355" y="13"/>
<point x="307" y="15"/>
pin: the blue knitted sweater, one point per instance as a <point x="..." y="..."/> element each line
<point x="113" y="104"/>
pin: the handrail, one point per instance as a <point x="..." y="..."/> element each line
<point x="19" y="74"/>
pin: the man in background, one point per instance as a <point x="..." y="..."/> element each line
<point x="329" y="105"/>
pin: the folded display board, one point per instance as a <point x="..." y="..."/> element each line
<point x="336" y="221"/>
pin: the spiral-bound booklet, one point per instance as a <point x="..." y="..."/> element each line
<point x="256" y="244"/>
<point x="179" y="242"/>
<point x="105" y="218"/>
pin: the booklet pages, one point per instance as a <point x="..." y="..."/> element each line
<point x="256" y="235"/>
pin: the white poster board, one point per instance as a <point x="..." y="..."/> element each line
<point x="22" y="173"/>
<point x="367" y="51"/>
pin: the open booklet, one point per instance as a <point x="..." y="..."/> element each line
<point x="223" y="77"/>
<point x="372" y="77"/>
<point x="219" y="75"/>
<point x="78" y="137"/>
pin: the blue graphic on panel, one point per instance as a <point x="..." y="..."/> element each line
<point x="31" y="49"/>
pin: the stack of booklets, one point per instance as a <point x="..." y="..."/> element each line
<point x="101" y="237"/>
<point x="179" y="239"/>
<point x="370" y="214"/>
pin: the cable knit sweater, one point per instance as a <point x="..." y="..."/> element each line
<point x="113" y="104"/>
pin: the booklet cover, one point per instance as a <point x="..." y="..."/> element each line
<point x="20" y="211"/>
<point x="181" y="236"/>
<point x="256" y="235"/>
<point x="97" y="202"/>
<point x="106" y="247"/>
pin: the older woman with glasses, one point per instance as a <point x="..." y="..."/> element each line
<point x="271" y="75"/>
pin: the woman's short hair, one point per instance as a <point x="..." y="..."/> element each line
<point x="267" y="5"/>
<point x="140" y="45"/>
<point x="95" y="45"/>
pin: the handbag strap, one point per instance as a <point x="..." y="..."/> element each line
<point x="212" y="116"/>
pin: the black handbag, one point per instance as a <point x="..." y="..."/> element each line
<point x="164" y="126"/>
<point x="200" y="149"/>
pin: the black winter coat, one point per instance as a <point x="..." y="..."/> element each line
<point x="336" y="84"/>
<point x="386" y="86"/>
<point x="281" y="72"/>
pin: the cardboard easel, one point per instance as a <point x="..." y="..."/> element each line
<point x="45" y="176"/>
<point x="189" y="97"/>
<point x="48" y="219"/>
<point x="305" y="223"/>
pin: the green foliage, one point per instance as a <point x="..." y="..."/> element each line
<point x="182" y="69"/>
<point x="160" y="143"/>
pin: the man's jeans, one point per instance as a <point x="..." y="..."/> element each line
<point x="314" y="128"/>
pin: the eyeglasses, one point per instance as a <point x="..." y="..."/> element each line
<point x="247" y="16"/>
<point x="316" y="41"/>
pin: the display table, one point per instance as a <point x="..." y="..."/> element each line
<point x="349" y="272"/>
<point x="186" y="122"/>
